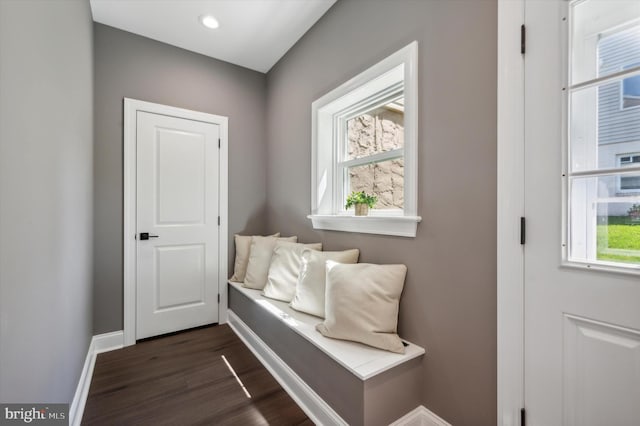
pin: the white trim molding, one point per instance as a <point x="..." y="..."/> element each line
<point x="99" y="344"/>
<point x="401" y="226"/>
<point x="510" y="208"/>
<point x="396" y="75"/>
<point x="131" y="108"/>
<point x="420" y="416"/>
<point x="76" y="409"/>
<point x="108" y="342"/>
<point x="315" y="407"/>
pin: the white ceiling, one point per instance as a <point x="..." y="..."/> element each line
<point x="252" y="33"/>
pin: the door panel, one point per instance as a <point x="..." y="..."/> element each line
<point x="177" y="201"/>
<point x="581" y="359"/>
<point x="181" y="276"/>
<point x="598" y="359"/>
<point x="180" y="177"/>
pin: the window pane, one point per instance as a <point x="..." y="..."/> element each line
<point x="605" y="38"/>
<point x="600" y="130"/>
<point x="605" y="223"/>
<point x="378" y="130"/>
<point x="384" y="179"/>
<point x="630" y="183"/>
<point x="631" y="91"/>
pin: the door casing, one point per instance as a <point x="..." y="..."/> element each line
<point x="131" y="107"/>
<point x="510" y="208"/>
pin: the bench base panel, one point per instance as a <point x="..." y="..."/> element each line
<point x="318" y="411"/>
<point x="324" y="389"/>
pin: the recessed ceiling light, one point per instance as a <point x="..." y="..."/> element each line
<point x="209" y="21"/>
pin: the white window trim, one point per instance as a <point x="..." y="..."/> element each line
<point x="326" y="197"/>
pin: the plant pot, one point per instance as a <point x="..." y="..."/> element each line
<point x="362" y="210"/>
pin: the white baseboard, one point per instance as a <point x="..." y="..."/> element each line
<point x="82" y="390"/>
<point x="99" y="344"/>
<point x="420" y="416"/>
<point x="108" y="341"/>
<point x="315" y="407"/>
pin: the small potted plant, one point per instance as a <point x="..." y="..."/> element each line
<point x="634" y="212"/>
<point x="362" y="202"/>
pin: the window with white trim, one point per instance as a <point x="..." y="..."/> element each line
<point x="365" y="139"/>
<point x="603" y="133"/>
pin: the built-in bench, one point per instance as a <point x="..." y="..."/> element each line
<point x="334" y="381"/>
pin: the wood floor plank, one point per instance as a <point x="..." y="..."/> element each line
<point x="182" y="379"/>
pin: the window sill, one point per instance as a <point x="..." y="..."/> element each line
<point x="610" y="267"/>
<point x="401" y="226"/>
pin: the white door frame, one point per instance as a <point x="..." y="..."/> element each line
<point x="510" y="208"/>
<point x="131" y="108"/>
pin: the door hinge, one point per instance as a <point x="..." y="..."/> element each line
<point x="523" y="39"/>
<point x="219" y="143"/>
<point x="218" y="220"/>
<point x="218" y="298"/>
<point x="523" y="417"/>
<point x="523" y="230"/>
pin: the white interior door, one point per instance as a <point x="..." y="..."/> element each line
<point x="582" y="251"/>
<point x="177" y="208"/>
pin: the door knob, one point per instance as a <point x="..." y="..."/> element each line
<point x="146" y="236"/>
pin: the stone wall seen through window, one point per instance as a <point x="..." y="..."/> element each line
<point x="377" y="131"/>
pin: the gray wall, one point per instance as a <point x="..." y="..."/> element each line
<point x="449" y="302"/>
<point x="127" y="65"/>
<point x="45" y="198"/>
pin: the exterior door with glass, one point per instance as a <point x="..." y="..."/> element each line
<point x="582" y="198"/>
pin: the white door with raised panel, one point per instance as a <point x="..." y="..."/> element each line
<point x="582" y="251"/>
<point x="176" y="224"/>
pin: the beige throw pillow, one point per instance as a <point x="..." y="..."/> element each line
<point x="243" y="245"/>
<point x="309" y="297"/>
<point x="285" y="269"/>
<point x="260" y="260"/>
<point x="362" y="304"/>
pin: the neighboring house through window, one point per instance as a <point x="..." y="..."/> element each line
<point x="618" y="116"/>
<point x="630" y="90"/>
<point x="629" y="183"/>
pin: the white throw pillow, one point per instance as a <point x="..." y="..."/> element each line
<point x="285" y="269"/>
<point x="362" y="304"/>
<point x="309" y="297"/>
<point x="243" y="245"/>
<point x="260" y="260"/>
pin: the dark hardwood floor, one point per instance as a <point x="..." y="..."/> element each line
<point x="182" y="379"/>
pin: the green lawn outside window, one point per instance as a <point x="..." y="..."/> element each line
<point x="619" y="240"/>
